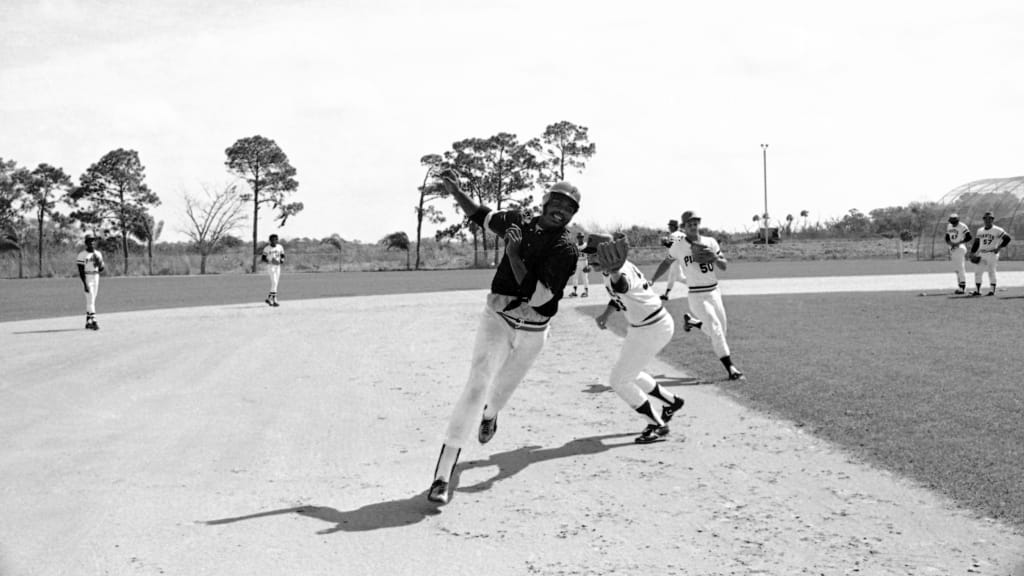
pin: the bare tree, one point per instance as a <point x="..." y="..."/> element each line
<point x="212" y="218"/>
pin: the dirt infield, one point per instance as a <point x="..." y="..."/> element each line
<point x="240" y="439"/>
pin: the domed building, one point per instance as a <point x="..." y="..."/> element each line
<point x="1003" y="196"/>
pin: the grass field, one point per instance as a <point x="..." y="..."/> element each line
<point x="925" y="387"/>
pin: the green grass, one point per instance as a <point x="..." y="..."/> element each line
<point x="927" y="387"/>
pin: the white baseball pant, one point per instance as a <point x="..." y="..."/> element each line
<point x="708" y="308"/>
<point x="92" y="280"/>
<point x="581" y="278"/>
<point x="958" y="254"/>
<point x="628" y="378"/>
<point x="675" y="274"/>
<point x="501" y="357"/>
<point x="987" y="264"/>
<point x="274" y="271"/>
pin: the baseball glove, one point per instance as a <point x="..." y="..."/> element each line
<point x="702" y="255"/>
<point x="612" y="255"/>
<point x="975" y="259"/>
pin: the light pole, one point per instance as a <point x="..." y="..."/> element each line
<point x="764" y="160"/>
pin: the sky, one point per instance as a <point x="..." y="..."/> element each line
<point x="863" y="105"/>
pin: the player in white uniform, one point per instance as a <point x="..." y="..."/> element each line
<point x="957" y="237"/>
<point x="704" y="297"/>
<point x="582" y="275"/>
<point x="273" y="255"/>
<point x="90" y="264"/>
<point x="650" y="329"/>
<point x="669" y="264"/>
<point x="988" y="242"/>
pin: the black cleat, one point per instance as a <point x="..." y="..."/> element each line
<point x="689" y="323"/>
<point x="438" y="492"/>
<point x="653" y="433"/>
<point x="669" y="410"/>
<point x="958" y="291"/>
<point x="991" y="293"/>
<point x="735" y="374"/>
<point x="488" y="427"/>
<point x="269" y="301"/>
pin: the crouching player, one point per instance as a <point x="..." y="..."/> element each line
<point x="650" y="329"/>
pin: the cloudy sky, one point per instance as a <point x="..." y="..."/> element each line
<point x="863" y="104"/>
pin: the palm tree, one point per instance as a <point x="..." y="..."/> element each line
<point x="399" y="241"/>
<point x="789" y="224"/>
<point x="804" y="214"/>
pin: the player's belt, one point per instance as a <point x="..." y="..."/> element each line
<point x="695" y="289"/>
<point x="651" y="318"/>
<point x="520" y="324"/>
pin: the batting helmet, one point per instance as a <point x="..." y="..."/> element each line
<point x="566" y="189"/>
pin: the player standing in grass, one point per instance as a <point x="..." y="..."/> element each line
<point x="650" y="329"/>
<point x="957" y="236"/>
<point x="539" y="258"/>
<point x="989" y="240"/>
<point x="273" y="256"/>
<point x="90" y="264"/>
<point x="582" y="275"/>
<point x="670" y="264"/>
<point x="701" y="256"/>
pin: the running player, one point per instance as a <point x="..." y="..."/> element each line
<point x="650" y="329"/>
<point x="273" y="256"/>
<point x="669" y="264"/>
<point x="90" y="264"/>
<point x="957" y="236"/>
<point x="989" y="240"/>
<point x="704" y="297"/>
<point x="539" y="258"/>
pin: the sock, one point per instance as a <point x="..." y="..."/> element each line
<point x="646" y="411"/>
<point x="727" y="362"/>
<point x="662" y="394"/>
<point x="993" y="287"/>
<point x="977" y="287"/>
<point x="446" y="461"/>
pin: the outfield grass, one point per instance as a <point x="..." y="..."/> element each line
<point x="928" y="387"/>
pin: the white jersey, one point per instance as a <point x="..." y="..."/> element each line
<point x="957" y="233"/>
<point x="92" y="261"/>
<point x="274" y="254"/>
<point x="699" y="277"/>
<point x="633" y="295"/>
<point x="675" y="237"/>
<point x="989" y="240"/>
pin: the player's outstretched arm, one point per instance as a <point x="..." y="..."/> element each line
<point x="662" y="268"/>
<point x="450" y="181"/>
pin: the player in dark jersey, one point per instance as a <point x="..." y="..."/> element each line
<point x="540" y="257"/>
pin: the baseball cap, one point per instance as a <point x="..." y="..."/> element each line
<point x="690" y="215"/>
<point x="988" y="215"/>
<point x="90" y="236"/>
<point x="673" y="222"/>
<point x="595" y="240"/>
<point x="954" y="216"/>
<point x="566" y="189"/>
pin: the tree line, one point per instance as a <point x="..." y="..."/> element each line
<point x="113" y="201"/>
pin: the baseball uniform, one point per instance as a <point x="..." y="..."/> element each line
<point x="957" y="234"/>
<point x="990" y="241"/>
<point x="274" y="257"/>
<point x="704" y="297"/>
<point x="90" y="264"/>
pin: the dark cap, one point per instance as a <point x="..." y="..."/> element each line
<point x="988" y="215"/>
<point x="595" y="240"/>
<point x="673" y="222"/>
<point x="690" y="215"/>
<point x="954" y="216"/>
<point x="564" y="189"/>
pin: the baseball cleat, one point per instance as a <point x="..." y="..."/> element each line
<point x="991" y="293"/>
<point x="669" y="410"/>
<point x="664" y="296"/>
<point x="958" y="291"/>
<point x="268" y="301"/>
<point x="689" y="323"/>
<point x="488" y="427"/>
<point x="735" y="374"/>
<point x="975" y="293"/>
<point x="653" y="433"/>
<point x="274" y="303"/>
<point x="573" y="295"/>
<point x="438" y="492"/>
<point x="586" y="294"/>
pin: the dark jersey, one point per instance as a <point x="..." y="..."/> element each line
<point x="549" y="255"/>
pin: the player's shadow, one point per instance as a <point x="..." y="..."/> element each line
<point x="659" y="378"/>
<point x="515" y="461"/>
<point x="408" y="511"/>
<point x="54" y="331"/>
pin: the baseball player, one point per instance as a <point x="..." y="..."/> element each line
<point x="582" y="275"/>
<point x="988" y="242"/>
<point x="539" y="259"/>
<point x="90" y="265"/>
<point x="669" y="264"/>
<point x="273" y="256"/>
<point x="957" y="235"/>
<point x="701" y="256"/>
<point x="650" y="329"/>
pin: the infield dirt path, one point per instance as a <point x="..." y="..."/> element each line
<point x="301" y="440"/>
